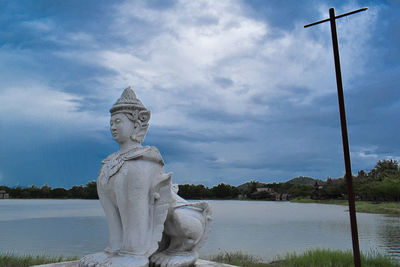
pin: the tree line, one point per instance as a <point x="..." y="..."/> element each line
<point x="89" y="191"/>
<point x="382" y="183"/>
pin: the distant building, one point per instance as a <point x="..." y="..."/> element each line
<point x="264" y="189"/>
<point x="3" y="194"/>
<point x="281" y="197"/>
<point x="278" y="196"/>
<point x="318" y="186"/>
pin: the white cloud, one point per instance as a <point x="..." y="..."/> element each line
<point x="197" y="42"/>
<point x="177" y="67"/>
<point x="44" y="25"/>
<point x="367" y="153"/>
<point x="47" y="107"/>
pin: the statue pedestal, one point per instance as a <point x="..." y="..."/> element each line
<point x="199" y="263"/>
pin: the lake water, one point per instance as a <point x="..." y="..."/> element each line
<point x="78" y="227"/>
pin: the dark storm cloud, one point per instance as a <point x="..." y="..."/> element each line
<point x="238" y="89"/>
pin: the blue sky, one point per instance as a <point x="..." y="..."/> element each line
<point x="238" y="90"/>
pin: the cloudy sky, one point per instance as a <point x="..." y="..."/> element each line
<point x="238" y="90"/>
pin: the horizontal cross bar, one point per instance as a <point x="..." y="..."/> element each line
<point x="337" y="17"/>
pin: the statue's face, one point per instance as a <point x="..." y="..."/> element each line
<point x="121" y="128"/>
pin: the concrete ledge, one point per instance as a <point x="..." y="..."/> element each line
<point x="199" y="263"/>
<point x="60" y="264"/>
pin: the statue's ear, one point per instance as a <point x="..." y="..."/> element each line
<point x="144" y="116"/>
<point x="141" y="125"/>
<point x="139" y="131"/>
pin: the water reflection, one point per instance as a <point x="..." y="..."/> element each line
<point x="389" y="235"/>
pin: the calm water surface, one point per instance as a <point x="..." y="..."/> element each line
<point x="78" y="227"/>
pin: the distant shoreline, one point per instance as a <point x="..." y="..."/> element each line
<point x="390" y="208"/>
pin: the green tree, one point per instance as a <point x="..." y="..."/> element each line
<point x="34" y="191"/>
<point x="25" y="194"/>
<point x="91" y="190"/>
<point x="383" y="169"/>
<point x="193" y="191"/>
<point x="299" y="190"/>
<point x="251" y="187"/>
<point x="369" y="191"/>
<point x="224" y="191"/>
<point x="45" y="191"/>
<point x="77" y="192"/>
<point x="336" y="189"/>
<point x="58" y="193"/>
<point x="390" y="188"/>
<point x="362" y="175"/>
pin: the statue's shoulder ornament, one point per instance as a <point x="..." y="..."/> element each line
<point x="150" y="153"/>
<point x="109" y="158"/>
<point x="113" y="163"/>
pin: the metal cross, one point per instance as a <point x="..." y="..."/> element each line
<point x="345" y="140"/>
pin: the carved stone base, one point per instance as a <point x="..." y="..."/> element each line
<point x="93" y="260"/>
<point x="103" y="259"/>
<point x="164" y="259"/>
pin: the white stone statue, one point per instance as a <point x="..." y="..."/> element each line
<point x="149" y="224"/>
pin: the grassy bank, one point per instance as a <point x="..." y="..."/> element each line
<point x="361" y="206"/>
<point x="11" y="260"/>
<point x="313" y="258"/>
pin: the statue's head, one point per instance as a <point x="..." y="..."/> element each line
<point x="129" y="118"/>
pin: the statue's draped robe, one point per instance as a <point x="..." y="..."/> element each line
<point x="137" y="178"/>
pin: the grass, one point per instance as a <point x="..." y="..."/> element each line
<point x="11" y="260"/>
<point x="239" y="259"/>
<point x="323" y="257"/>
<point x="312" y="258"/>
<point x="392" y="208"/>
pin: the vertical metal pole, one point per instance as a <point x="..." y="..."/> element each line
<point x="346" y="150"/>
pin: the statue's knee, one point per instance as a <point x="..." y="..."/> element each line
<point x="190" y="223"/>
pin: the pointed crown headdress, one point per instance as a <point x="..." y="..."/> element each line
<point x="127" y="102"/>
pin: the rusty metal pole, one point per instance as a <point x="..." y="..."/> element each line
<point x="345" y="141"/>
<point x="343" y="123"/>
